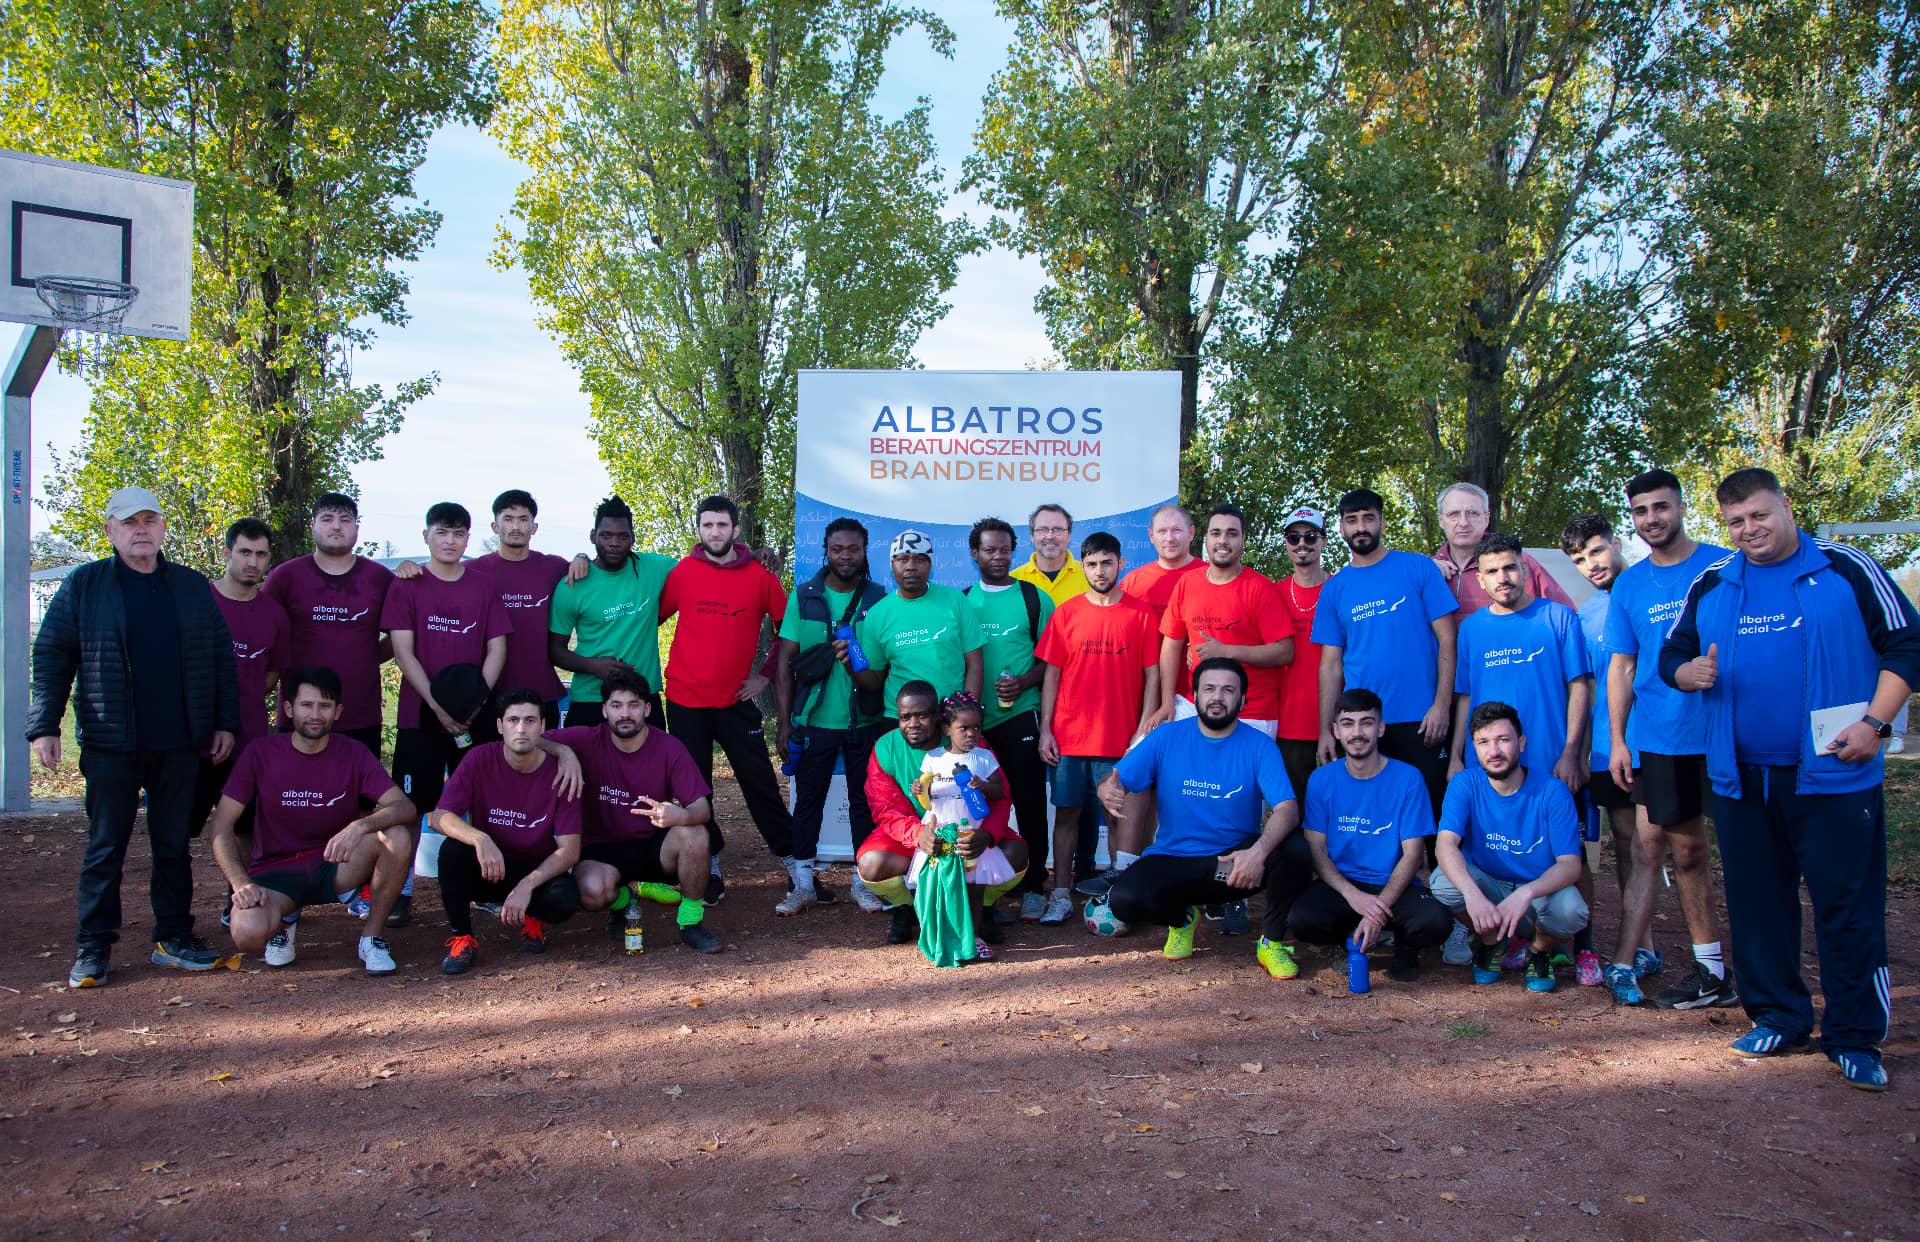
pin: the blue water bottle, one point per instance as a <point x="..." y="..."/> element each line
<point x="1358" y="982"/>
<point x="970" y="793"/>
<point x="795" y="745"/>
<point x="856" y="655"/>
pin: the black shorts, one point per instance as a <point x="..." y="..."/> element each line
<point x="1605" y="794"/>
<point x="1673" y="788"/>
<point x="640" y="860"/>
<point x="309" y="886"/>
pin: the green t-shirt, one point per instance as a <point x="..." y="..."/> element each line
<point x="613" y="614"/>
<point x="829" y="705"/>
<point x="925" y="639"/>
<point x="1007" y="645"/>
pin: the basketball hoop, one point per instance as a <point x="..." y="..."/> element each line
<point x="85" y="303"/>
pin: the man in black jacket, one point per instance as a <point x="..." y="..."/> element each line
<point x="156" y="686"/>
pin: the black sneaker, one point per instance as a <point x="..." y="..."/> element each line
<point x="402" y="912"/>
<point x="1405" y="967"/>
<point x="716" y="891"/>
<point x="461" y="950"/>
<point x="902" y="927"/>
<point x="89" y="968"/>
<point x="185" y="953"/>
<point x="822" y="894"/>
<point x="700" y="940"/>
<point x="1098" y="885"/>
<point x="1699" y="990"/>
<point x="987" y="929"/>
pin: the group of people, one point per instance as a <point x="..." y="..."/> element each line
<point x="1405" y="754"/>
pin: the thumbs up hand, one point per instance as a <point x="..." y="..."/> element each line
<point x="1701" y="672"/>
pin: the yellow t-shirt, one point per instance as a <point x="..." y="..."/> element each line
<point x="1070" y="582"/>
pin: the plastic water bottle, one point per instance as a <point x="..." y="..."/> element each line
<point x="792" y="762"/>
<point x="856" y="655"/>
<point x="1358" y="981"/>
<point x="634" y="936"/>
<point x="1002" y="694"/>
<point x="970" y="793"/>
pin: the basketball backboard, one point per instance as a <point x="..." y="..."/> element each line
<point x="105" y="228"/>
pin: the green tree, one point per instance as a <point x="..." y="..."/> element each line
<point x="1144" y="150"/>
<point x="1797" y="143"/>
<point x="712" y="205"/>
<point x="301" y="127"/>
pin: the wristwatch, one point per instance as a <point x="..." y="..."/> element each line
<point x="1881" y="728"/>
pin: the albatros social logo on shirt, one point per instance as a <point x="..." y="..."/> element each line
<point x="311" y="799"/>
<point x="437" y="624"/>
<point x="1360" y="825"/>
<point x="512" y="820"/>
<point x="1368" y="609"/>
<point x="1194" y="787"/>
<point x="1767" y="623"/>
<point x="1510" y="655"/>
<point x="718" y="608"/>
<point x="918" y="638"/>
<point x="523" y="599"/>
<point x="338" y="613"/>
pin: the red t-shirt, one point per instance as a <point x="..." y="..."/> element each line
<point x="1103" y="654"/>
<point x="525" y="589"/>
<point x="1300" y="680"/>
<point x="1246" y="612"/>
<point x="333" y="620"/>
<point x="662" y="769"/>
<point x="299" y="800"/>
<point x="260" y="641"/>
<point x="521" y="811"/>
<point x="451" y="622"/>
<point x="720" y="607"/>
<point x="1152" y="584"/>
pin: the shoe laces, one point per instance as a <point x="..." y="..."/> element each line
<point x="456" y="945"/>
<point x="533" y="929"/>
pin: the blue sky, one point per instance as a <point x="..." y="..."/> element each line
<point x="508" y="411"/>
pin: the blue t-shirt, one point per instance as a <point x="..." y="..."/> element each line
<point x="1593" y="624"/>
<point x="1210" y="791"/>
<point x="1512" y="837"/>
<point x="1524" y="659"/>
<point x="1769" y="659"/>
<point x="1382" y="617"/>
<point x="1367" y="821"/>
<point x="1646" y="601"/>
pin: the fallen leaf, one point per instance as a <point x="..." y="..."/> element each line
<point x="1447" y="1196"/>
<point x="794" y="1179"/>
<point x="875" y="1179"/>
<point x="1456" y="1151"/>
<point x="695" y="1002"/>
<point x="684" y="1030"/>
<point x="222" y="1076"/>
<point x="890" y="1218"/>
<point x="940" y="1043"/>
<point x="65" y="1018"/>
<point x="675" y="1091"/>
<point x="1251" y="1067"/>
<point x="1034" y="1110"/>
<point x="1173" y="1175"/>
<point x="176" y="1000"/>
<point x="155" y="1166"/>
<point x="1144" y="1128"/>
<point x="557" y="1074"/>
<point x="1636" y="1198"/>
<point x="1225" y="1186"/>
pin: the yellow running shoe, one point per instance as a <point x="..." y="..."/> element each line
<point x="1180" y="939"/>
<point x="1277" y="958"/>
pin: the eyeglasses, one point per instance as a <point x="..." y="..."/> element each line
<point x="1052" y="530"/>
<point x="1304" y="536"/>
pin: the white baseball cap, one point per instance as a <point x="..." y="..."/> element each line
<point x="1309" y="516"/>
<point x="128" y="501"/>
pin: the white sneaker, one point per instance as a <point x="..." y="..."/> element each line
<point x="378" y="959"/>
<point x="1059" y="908"/>
<point x="279" y="951"/>
<point x="866" y="898"/>
<point x="1032" y="906"/>
<point x="798" y="898"/>
<point x="1459" y="950"/>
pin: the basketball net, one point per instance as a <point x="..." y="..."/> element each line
<point x="88" y="306"/>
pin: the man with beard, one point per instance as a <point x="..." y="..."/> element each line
<point x="1012" y="614"/>
<point x="1367" y="822"/>
<point x="311" y="843"/>
<point x="826" y="714"/>
<point x="899" y="829"/>
<point x="1465" y="517"/>
<point x="1102" y="685"/>
<point x="525" y="582"/>
<point x="610" y="608"/>
<point x="1590" y="543"/>
<point x="1299" y="725"/>
<point x="1658" y="740"/>
<point x="1509" y="850"/>
<point x="1386" y="624"/>
<point x="646" y="812"/>
<point x="259" y="630"/>
<point x="513" y="836"/>
<point x="333" y="599"/>
<point x="1052" y="567"/>
<point x="1210" y="776"/>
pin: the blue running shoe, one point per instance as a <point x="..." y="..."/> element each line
<point x="1861" y="1069"/>
<point x="1622" y="986"/>
<point x="1647" y="963"/>
<point x="1540" y="973"/>
<point x="1764" y="1041"/>
<point x="1486" y="963"/>
<point x="1234" y="921"/>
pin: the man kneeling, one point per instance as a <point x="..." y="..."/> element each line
<point x="1509" y="851"/>
<point x="646" y="814"/>
<point x="311" y="845"/>
<point x="513" y="834"/>
<point x="1209" y="775"/>
<point x="1367" y="822"/>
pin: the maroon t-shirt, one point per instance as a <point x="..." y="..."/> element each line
<point x="451" y="623"/>
<point x="333" y="621"/>
<point x="521" y="811"/>
<point x="662" y="769"/>
<point x="525" y="589"/>
<point x="260" y="645"/>
<point x="299" y="800"/>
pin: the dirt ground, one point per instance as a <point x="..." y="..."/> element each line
<point x="813" y="1082"/>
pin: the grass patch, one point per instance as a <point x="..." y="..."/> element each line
<point x="1903" y="823"/>
<point x="1466" y="1028"/>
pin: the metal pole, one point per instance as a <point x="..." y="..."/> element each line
<point x="29" y="362"/>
